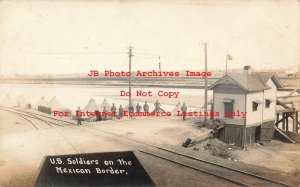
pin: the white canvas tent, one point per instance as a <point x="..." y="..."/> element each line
<point x="91" y="106"/>
<point x="22" y="101"/>
<point x="42" y="102"/>
<point x="8" y="101"/>
<point x="54" y="104"/>
<point x="106" y="104"/>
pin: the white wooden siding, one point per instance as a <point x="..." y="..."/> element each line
<point x="269" y="113"/>
<point x="230" y="92"/>
<point x="254" y="117"/>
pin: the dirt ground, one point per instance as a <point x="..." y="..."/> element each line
<point x="274" y="155"/>
<point x="22" y="148"/>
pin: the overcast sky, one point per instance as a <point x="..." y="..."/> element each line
<point x="77" y="36"/>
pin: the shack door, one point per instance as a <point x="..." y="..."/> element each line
<point x="266" y="132"/>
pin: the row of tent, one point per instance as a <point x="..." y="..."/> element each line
<point x="49" y="107"/>
<point x="92" y="106"/>
<point x="54" y="104"/>
<point x="20" y="102"/>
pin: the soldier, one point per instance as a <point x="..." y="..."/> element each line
<point x="183" y="110"/>
<point x="113" y="110"/>
<point x="157" y="107"/>
<point x="79" y="116"/>
<point x="104" y="113"/>
<point x="121" y="112"/>
<point x="98" y="115"/>
<point x="131" y="109"/>
<point x="138" y="107"/>
<point x="146" y="107"/>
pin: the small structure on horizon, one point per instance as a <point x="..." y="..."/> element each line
<point x="251" y="93"/>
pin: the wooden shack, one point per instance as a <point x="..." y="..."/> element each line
<point x="250" y="92"/>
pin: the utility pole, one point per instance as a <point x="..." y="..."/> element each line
<point x="205" y="93"/>
<point x="159" y="63"/>
<point x="228" y="57"/>
<point x="299" y="58"/>
<point x="226" y="61"/>
<point x="130" y="55"/>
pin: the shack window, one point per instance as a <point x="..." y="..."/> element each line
<point x="254" y="106"/>
<point x="267" y="103"/>
<point x="228" y="109"/>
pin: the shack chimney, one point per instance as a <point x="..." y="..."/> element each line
<point x="247" y="69"/>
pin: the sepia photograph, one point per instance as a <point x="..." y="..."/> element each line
<point x="149" y="93"/>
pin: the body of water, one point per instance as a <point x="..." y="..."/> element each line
<point x="72" y="96"/>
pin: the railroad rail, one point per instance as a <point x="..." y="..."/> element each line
<point x="26" y="119"/>
<point x="32" y="115"/>
<point x="232" y="175"/>
<point x="168" y="155"/>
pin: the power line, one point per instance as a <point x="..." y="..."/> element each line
<point x="66" y="53"/>
<point x="165" y="56"/>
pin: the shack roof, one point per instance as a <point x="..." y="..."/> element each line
<point x="249" y="82"/>
<point x="266" y="76"/>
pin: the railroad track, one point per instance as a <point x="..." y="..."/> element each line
<point x="223" y="172"/>
<point x="26" y="115"/>
<point x="22" y="116"/>
<point x="232" y="175"/>
<point x="33" y="115"/>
